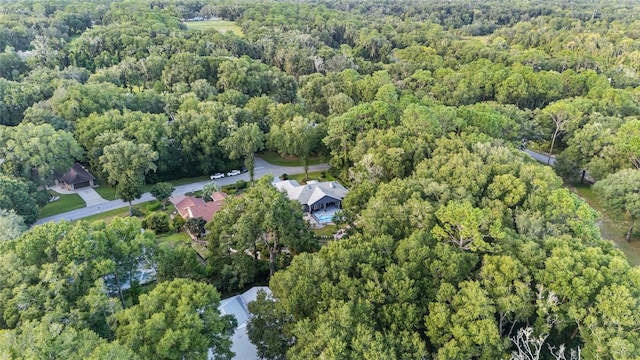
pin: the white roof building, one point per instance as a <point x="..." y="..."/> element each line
<point x="237" y="306"/>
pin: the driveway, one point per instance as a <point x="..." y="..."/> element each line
<point x="90" y="196"/>
<point x="262" y="168"/>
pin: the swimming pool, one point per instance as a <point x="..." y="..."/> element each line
<point x="323" y="219"/>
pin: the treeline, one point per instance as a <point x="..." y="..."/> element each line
<point x="419" y="104"/>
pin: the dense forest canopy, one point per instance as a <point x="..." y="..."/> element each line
<point x="459" y="245"/>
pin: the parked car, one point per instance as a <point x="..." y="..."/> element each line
<point x="233" y="172"/>
<point x="216" y="176"/>
<point x="243" y="169"/>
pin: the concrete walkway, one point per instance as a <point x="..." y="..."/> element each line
<point x="262" y="168"/>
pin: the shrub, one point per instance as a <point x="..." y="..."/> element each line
<point x="178" y="223"/>
<point x="284" y="177"/>
<point x="153" y="206"/>
<point x="136" y="212"/>
<point x="158" y="222"/>
<point x="241" y="184"/>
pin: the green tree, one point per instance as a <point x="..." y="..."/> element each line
<point x="209" y="189"/>
<point x="266" y="329"/>
<point x="157" y="221"/>
<point x="126" y="164"/>
<point x="16" y="195"/>
<point x="162" y="192"/>
<point x="621" y="194"/>
<point x="560" y="114"/>
<point x="48" y="339"/>
<point x="195" y="226"/>
<point x="177" y="320"/>
<point x="263" y="218"/>
<point x="178" y="260"/>
<point x="11" y="225"/>
<point x="298" y="137"/>
<point x="243" y="143"/>
<point x="627" y="142"/>
<point x="37" y="152"/>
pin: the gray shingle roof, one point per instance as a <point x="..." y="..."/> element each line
<point x="76" y="175"/>
<point x="312" y="192"/>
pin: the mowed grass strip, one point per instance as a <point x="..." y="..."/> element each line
<point x="274" y="158"/>
<point x="108" y="192"/>
<point x="313" y="175"/>
<point x="65" y="203"/>
<point x="220" y="25"/>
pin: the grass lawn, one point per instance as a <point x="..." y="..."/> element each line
<point x="274" y="158"/>
<point x="195" y="193"/>
<point x="482" y="38"/>
<point x="108" y="215"/>
<point x="315" y="175"/>
<point x="184" y="181"/>
<point x="221" y="25"/>
<point x="64" y="204"/>
<point x="327" y="230"/>
<point x="611" y="227"/>
<point x="173" y="237"/>
<point x="108" y="192"/>
<point x="124" y="211"/>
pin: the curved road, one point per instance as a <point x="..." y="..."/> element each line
<point x="262" y="168"/>
<point x="542" y="157"/>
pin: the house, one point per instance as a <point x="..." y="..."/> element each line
<point x="192" y="207"/>
<point x="77" y="177"/>
<point x="320" y="199"/>
<point x="237" y="306"/>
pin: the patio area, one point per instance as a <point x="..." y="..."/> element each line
<point x="324" y="216"/>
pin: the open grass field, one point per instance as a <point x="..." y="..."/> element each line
<point x="221" y="25"/>
<point x="274" y="158"/>
<point x="483" y="38"/>
<point x="64" y="204"/>
<point x="611" y="228"/>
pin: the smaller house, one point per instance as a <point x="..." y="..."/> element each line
<point x="237" y="306"/>
<point x="77" y="177"/>
<point x="192" y="207"/>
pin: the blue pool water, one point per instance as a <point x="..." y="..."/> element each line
<point x="324" y="218"/>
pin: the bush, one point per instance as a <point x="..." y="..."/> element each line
<point x="157" y="221"/>
<point x="241" y="184"/>
<point x="136" y="212"/>
<point x="284" y="177"/>
<point x="323" y="174"/>
<point x="178" y="223"/>
<point x="153" y="206"/>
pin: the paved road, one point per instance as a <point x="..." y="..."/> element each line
<point x="262" y="168"/>
<point x="541" y="157"/>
